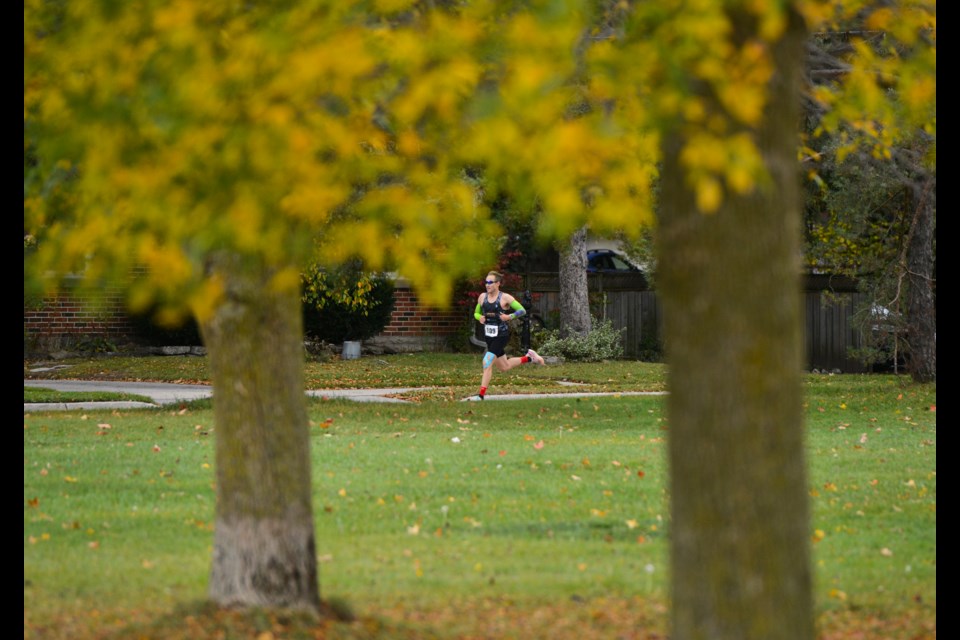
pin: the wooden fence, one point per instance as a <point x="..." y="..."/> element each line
<point x="628" y="303"/>
<point x="624" y="299"/>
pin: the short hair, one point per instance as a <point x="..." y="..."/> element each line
<point x="497" y="275"/>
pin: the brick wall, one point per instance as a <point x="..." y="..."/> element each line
<point x="60" y="322"/>
<point x="410" y="318"/>
<point x="66" y="319"/>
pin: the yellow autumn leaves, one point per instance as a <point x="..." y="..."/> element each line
<point x="333" y="127"/>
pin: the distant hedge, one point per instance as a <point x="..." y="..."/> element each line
<point x="338" y="321"/>
<point x="148" y="332"/>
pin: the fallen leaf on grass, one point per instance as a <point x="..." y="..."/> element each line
<point x="538" y="445"/>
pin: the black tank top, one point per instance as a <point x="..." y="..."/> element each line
<point x="492" y="310"/>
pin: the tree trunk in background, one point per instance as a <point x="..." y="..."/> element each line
<point x="264" y="549"/>
<point x="730" y="286"/>
<point x="574" y="296"/>
<point x="921" y="302"/>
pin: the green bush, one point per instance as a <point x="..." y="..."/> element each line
<point x="345" y="304"/>
<point x="603" y="342"/>
<point x="147" y="331"/>
<point x="650" y="348"/>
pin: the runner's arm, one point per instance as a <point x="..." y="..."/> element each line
<point x="518" y="310"/>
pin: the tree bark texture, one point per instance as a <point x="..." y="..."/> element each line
<point x="574" y="297"/>
<point x="264" y="549"/>
<point x="730" y="287"/>
<point x="921" y="302"/>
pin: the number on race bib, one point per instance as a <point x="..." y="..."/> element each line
<point x="491" y="330"/>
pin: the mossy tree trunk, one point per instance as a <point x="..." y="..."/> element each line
<point x="921" y="302"/>
<point x="264" y="549"/>
<point x="729" y="282"/>
<point x="574" y="295"/>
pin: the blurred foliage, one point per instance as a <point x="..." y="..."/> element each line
<point x="157" y="134"/>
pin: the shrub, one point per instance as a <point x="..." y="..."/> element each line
<point x="603" y="342"/>
<point x="94" y="345"/>
<point x="147" y="330"/>
<point x="465" y="294"/>
<point x="345" y="304"/>
<point x="650" y="348"/>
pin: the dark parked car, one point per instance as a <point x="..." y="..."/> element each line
<point x="609" y="261"/>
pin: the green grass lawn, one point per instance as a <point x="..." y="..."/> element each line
<point x="40" y="395"/>
<point x="438" y="519"/>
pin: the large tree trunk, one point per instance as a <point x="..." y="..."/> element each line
<point x="921" y="303"/>
<point x="574" y="297"/>
<point x="264" y="550"/>
<point x="730" y="286"/>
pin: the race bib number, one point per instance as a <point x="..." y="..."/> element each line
<point x="491" y="330"/>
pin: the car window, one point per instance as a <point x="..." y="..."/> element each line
<point x="607" y="261"/>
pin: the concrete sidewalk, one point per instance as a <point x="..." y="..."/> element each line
<point x="160" y="392"/>
<point x="164" y="393"/>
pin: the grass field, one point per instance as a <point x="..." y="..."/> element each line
<point x="439" y="519"/>
<point x="42" y="395"/>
